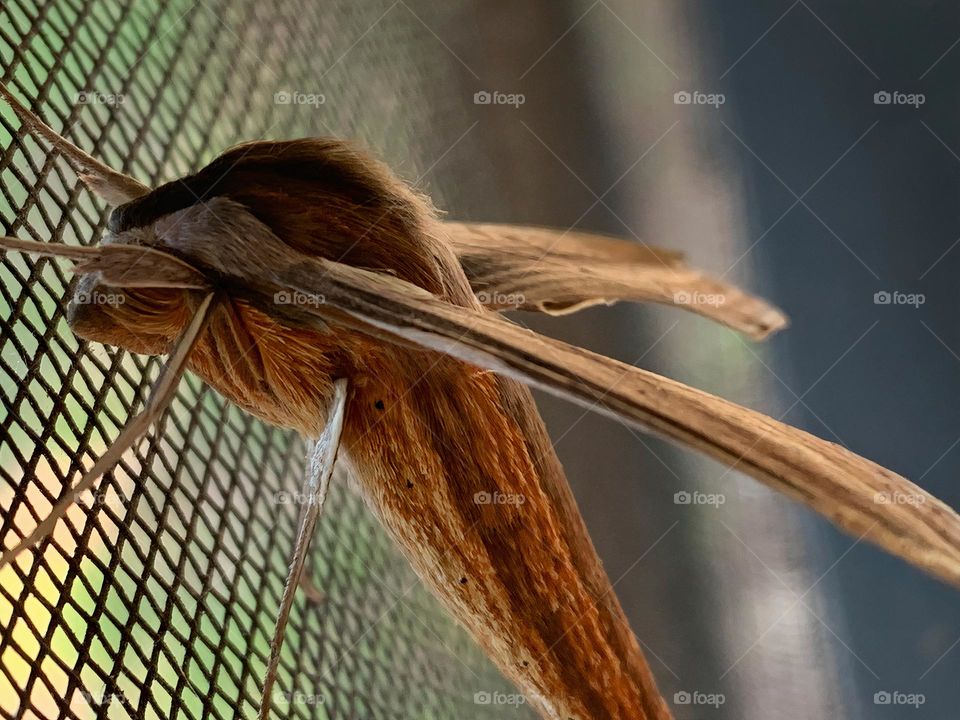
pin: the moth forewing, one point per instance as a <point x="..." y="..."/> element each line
<point x="555" y="272"/>
<point x="485" y="240"/>
<point x="835" y="482"/>
<point x="112" y="185"/>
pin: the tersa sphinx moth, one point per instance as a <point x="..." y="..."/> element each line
<point x="388" y="345"/>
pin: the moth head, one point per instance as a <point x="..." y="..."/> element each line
<point x="144" y="320"/>
<point x="107" y="314"/>
<point x="315" y="197"/>
<point x="258" y="202"/>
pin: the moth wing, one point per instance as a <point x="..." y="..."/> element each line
<point x="479" y="239"/>
<point x="112" y="185"/>
<point x="835" y="482"/>
<point x="557" y="272"/>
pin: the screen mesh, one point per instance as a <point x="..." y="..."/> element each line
<point x="156" y="596"/>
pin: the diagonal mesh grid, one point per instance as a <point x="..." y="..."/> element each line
<point x="156" y="596"/>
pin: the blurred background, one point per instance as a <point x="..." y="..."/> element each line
<point x="807" y="151"/>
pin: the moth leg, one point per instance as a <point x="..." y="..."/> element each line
<point x="319" y="472"/>
<point x="163" y="391"/>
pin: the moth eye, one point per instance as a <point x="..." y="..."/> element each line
<point x="135" y="236"/>
<point x="115" y="221"/>
<point x="118" y="218"/>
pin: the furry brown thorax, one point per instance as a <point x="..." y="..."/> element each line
<point x="320" y="198"/>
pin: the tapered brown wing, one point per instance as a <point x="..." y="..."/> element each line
<point x="476" y="239"/>
<point x="112" y="185"/>
<point x="560" y="272"/>
<point x="850" y="490"/>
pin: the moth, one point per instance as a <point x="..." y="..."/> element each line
<point x="313" y="288"/>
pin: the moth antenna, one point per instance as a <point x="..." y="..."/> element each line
<point x="319" y="472"/>
<point x="112" y="185"/>
<point x="80" y="253"/>
<point x="163" y="393"/>
<point x="119" y="265"/>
